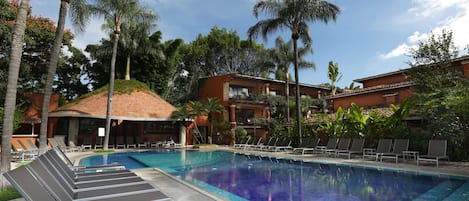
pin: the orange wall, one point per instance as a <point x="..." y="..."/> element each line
<point x="391" y="79"/>
<point x="372" y="99"/>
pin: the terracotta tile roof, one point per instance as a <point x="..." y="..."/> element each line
<point x="372" y="89"/>
<point x="139" y="105"/>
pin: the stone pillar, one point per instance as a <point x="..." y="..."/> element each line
<point x="73" y="125"/>
<point x="182" y="134"/>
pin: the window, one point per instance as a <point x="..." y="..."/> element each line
<point x="89" y="126"/>
<point x="160" y="128"/>
<point x="273" y="93"/>
<point x="239" y="92"/>
<point x="244" y="116"/>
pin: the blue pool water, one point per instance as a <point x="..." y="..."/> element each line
<point x="243" y="177"/>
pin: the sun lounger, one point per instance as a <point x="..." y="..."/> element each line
<point x="246" y="142"/>
<point x="356" y="148"/>
<point x="60" y="155"/>
<point x="255" y="142"/>
<point x="34" y="190"/>
<point x="131" y="142"/>
<point x="270" y="143"/>
<point x="61" y="189"/>
<point x="78" y="170"/>
<point x="436" y="151"/>
<point x="309" y="144"/>
<point x="120" y="142"/>
<point x="331" y="144"/>
<point x="344" y="144"/>
<point x="285" y="144"/>
<point x="86" y="143"/>
<point x="399" y="146"/>
<point x="60" y="142"/>
<point x="384" y="146"/>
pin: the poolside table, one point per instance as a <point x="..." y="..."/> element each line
<point x="410" y="155"/>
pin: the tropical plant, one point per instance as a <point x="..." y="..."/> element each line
<point x="115" y="14"/>
<point x="284" y="57"/>
<point x="334" y="75"/>
<point x="293" y="15"/>
<point x="211" y="106"/>
<point x="134" y="35"/>
<point x="10" y="98"/>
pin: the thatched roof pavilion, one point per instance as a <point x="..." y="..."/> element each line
<point x="132" y="100"/>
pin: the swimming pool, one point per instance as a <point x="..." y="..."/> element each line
<point x="245" y="177"/>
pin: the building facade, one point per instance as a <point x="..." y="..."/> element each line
<point x="385" y="89"/>
<point x="238" y="95"/>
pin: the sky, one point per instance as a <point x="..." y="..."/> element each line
<point x="369" y="37"/>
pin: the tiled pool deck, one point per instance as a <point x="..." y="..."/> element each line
<point x="182" y="191"/>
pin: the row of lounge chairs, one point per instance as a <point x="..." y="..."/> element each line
<point x="129" y="143"/>
<point x="49" y="177"/>
<point x="386" y="149"/>
<point x="274" y="144"/>
<point x="337" y="147"/>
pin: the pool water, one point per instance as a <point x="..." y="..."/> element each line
<point x="246" y="177"/>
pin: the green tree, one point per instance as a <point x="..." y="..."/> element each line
<point x="70" y="75"/>
<point x="38" y="42"/>
<point x="284" y="58"/>
<point x="115" y="13"/>
<point x="293" y="15"/>
<point x="334" y="75"/>
<point x="441" y="92"/>
<point x="134" y="35"/>
<point x="10" y="98"/>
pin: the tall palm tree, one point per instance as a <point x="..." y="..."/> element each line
<point x="134" y="33"/>
<point x="10" y="98"/>
<point x="115" y="13"/>
<point x="283" y="57"/>
<point x="78" y="8"/>
<point x="293" y="15"/>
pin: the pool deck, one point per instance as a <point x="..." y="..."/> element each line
<point x="180" y="190"/>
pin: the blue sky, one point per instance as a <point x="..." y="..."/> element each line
<point x="369" y="37"/>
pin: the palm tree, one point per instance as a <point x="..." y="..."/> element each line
<point x="293" y="15"/>
<point x="283" y="56"/>
<point x="78" y="8"/>
<point x="134" y="34"/>
<point x="10" y="98"/>
<point x="334" y="75"/>
<point x="115" y="14"/>
<point x="210" y="106"/>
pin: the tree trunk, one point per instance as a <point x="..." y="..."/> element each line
<point x="110" y="92"/>
<point x="10" y="99"/>
<point x="287" y="95"/>
<point x="54" y="57"/>
<point x="297" y="88"/>
<point x="127" y="68"/>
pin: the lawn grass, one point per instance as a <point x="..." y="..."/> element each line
<point x="103" y="151"/>
<point x="9" y="194"/>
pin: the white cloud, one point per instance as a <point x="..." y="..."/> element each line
<point x="416" y="37"/>
<point x="400" y="50"/>
<point x="427" y="8"/>
<point x="455" y="18"/>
